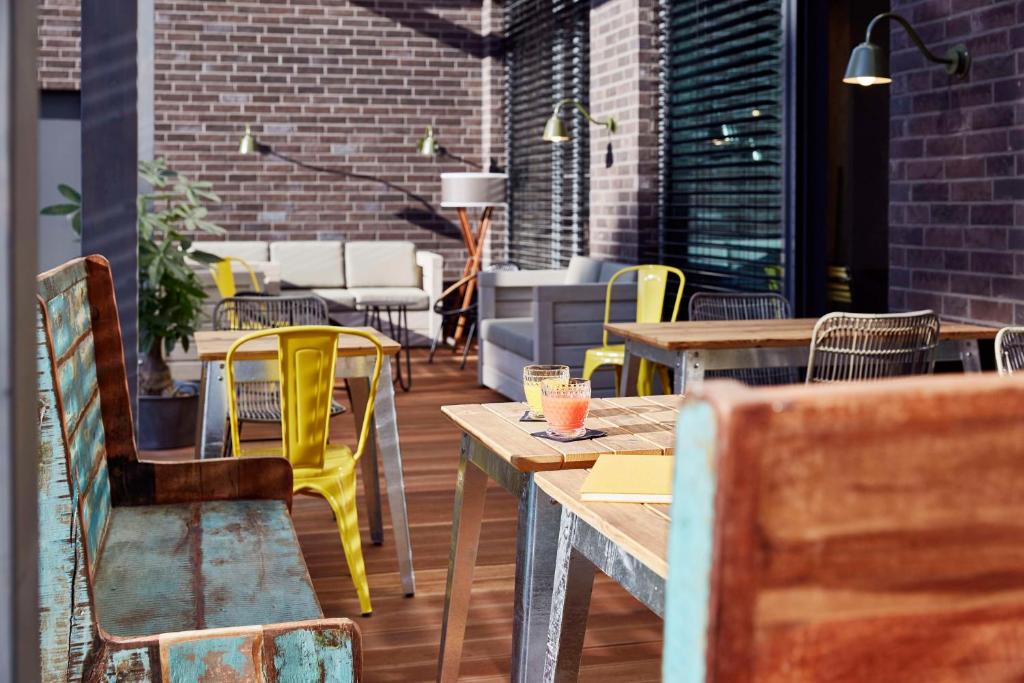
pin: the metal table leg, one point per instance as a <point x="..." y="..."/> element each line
<point x="213" y="414"/>
<point x="689" y="371"/>
<point x="627" y="381"/>
<point x="969" y="355"/>
<point x="359" y="390"/>
<point x="385" y="418"/>
<point x="570" y="604"/>
<point x="536" y="545"/>
<point x="470" y="491"/>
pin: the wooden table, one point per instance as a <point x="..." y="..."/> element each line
<point x="692" y="347"/>
<point x="257" y="361"/>
<point x="496" y="445"/>
<point x="628" y="542"/>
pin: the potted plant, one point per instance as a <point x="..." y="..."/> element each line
<point x="170" y="294"/>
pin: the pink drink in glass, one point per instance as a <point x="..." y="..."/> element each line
<point x="566" y="405"/>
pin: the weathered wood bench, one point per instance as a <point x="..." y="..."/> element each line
<point x="177" y="571"/>
<point x="859" y="532"/>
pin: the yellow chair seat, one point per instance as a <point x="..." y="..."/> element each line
<point x="613" y="354"/>
<point x="335" y="458"/>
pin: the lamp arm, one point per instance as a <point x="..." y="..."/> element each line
<point x="913" y="36"/>
<point x="609" y="123"/>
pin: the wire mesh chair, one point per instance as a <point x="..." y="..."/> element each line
<point x="1010" y="350"/>
<point x="261" y="401"/>
<point x="855" y="346"/>
<point x="469" y="311"/>
<point x="745" y="306"/>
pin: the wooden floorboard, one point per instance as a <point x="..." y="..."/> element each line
<point x="400" y="640"/>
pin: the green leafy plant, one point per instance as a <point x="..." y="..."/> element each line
<point x="72" y="208"/>
<point x="170" y="293"/>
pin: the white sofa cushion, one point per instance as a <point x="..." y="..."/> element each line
<point x="512" y="334"/>
<point x="309" y="263"/>
<point x="337" y="298"/>
<point x="247" y="250"/>
<point x="413" y="298"/>
<point x="381" y="264"/>
<point x="582" y="270"/>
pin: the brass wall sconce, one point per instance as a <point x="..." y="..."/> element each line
<point x="555" y="130"/>
<point x="250" y="144"/>
<point x="869" y="63"/>
<point x="428" y="145"/>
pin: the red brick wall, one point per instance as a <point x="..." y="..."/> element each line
<point x="957" y="163"/>
<point x="344" y="85"/>
<point x="58" y="59"/>
<point x="624" y="83"/>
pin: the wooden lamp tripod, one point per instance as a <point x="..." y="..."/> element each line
<point x="464" y="191"/>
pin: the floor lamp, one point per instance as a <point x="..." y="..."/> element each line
<point x="464" y="191"/>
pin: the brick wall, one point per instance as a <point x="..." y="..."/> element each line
<point x="58" y="59"/>
<point x="344" y="87"/>
<point x="957" y="163"/>
<point x="624" y="83"/>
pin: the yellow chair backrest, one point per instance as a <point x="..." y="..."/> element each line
<point x="224" y="276"/>
<point x="651" y="284"/>
<point x="306" y="358"/>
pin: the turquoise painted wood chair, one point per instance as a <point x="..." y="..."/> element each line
<point x="181" y="571"/>
<point x="850" y="532"/>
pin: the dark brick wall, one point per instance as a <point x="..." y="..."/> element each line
<point x="344" y="86"/>
<point x="957" y="163"/>
<point x="59" y="50"/>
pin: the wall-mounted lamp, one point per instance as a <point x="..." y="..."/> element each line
<point x="555" y="130"/>
<point x="428" y="145"/>
<point x="250" y="144"/>
<point x="869" y="64"/>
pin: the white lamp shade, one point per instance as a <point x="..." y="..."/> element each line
<point x="471" y="190"/>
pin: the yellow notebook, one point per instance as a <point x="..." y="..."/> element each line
<point x="629" y="479"/>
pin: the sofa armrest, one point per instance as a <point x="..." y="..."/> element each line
<point x="432" y="270"/>
<point x="584" y="293"/>
<point x="521" y="278"/>
<point x="292" y="651"/>
<point x="146" y="482"/>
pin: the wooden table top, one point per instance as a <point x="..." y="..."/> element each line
<point x="641" y="529"/>
<point x="634" y="425"/>
<point x="735" y="334"/>
<point x="213" y="345"/>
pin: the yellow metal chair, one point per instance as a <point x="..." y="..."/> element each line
<point x="652" y="281"/>
<point x="224" y="276"/>
<point x="306" y="356"/>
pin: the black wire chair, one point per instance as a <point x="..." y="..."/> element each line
<point x="470" y="312"/>
<point x="261" y="401"/>
<point x="745" y="306"/>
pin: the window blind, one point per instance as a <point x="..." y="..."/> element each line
<point x="722" y="220"/>
<point x="546" y="60"/>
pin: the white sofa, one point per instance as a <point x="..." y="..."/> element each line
<point x="547" y="316"/>
<point x="342" y="274"/>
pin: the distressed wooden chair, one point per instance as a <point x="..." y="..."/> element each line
<point x="158" y="571"/>
<point x="857" y="346"/>
<point x="745" y="306"/>
<point x="1010" y="350"/>
<point x="260" y="401"/>
<point x="306" y="360"/>
<point x="851" y="532"/>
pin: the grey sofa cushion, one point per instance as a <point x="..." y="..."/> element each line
<point x="609" y="268"/>
<point x="511" y="334"/>
<point x="337" y="299"/>
<point x="413" y="298"/>
<point x="582" y="270"/>
<point x="381" y="264"/>
<point x="309" y="263"/>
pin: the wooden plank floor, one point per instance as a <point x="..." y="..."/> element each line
<point x="400" y="640"/>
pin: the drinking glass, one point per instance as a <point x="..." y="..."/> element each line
<point x="566" y="405"/>
<point x="533" y="376"/>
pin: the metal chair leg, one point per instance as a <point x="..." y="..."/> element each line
<point x="469" y="342"/>
<point x="433" y="344"/>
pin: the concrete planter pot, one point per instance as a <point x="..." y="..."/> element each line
<point x="168" y="421"/>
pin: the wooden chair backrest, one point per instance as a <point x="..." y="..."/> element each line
<point x="862" y="532"/>
<point x="85" y="423"/>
